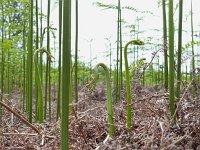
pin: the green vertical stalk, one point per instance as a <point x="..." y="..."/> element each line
<point x="48" y="66"/>
<point x="2" y="54"/>
<point x="66" y="68"/>
<point x="115" y="81"/>
<point x="36" y="59"/>
<point x="59" y="58"/>
<point x="70" y="89"/>
<point x="39" y="105"/>
<point x="2" y="60"/>
<point x="54" y="66"/>
<point x="134" y="55"/>
<point x="179" y="49"/>
<point x="193" y="56"/>
<point x="120" y="46"/>
<point x="40" y="102"/>
<point x="186" y="74"/>
<point x="111" y="128"/>
<point x="24" y="66"/>
<point x="27" y="77"/>
<point x="162" y="75"/>
<point x="171" y="61"/>
<point x="165" y="43"/>
<point x="128" y="87"/>
<point x="41" y="43"/>
<point x="152" y="75"/>
<point x="118" y="49"/>
<point x="30" y="66"/>
<point x="91" y="56"/>
<point x="21" y="85"/>
<point x="110" y="55"/>
<point x="76" y="56"/>
<point x="110" y="61"/>
<point x="143" y="80"/>
<point x="158" y="75"/>
<point x="137" y="36"/>
<point x="49" y="89"/>
<point x="8" y="65"/>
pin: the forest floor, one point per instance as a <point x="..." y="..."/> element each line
<point x="151" y="127"/>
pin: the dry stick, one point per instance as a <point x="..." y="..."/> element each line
<point x="145" y="67"/>
<point x="152" y="96"/>
<point x="20" y="117"/>
<point x="161" y="127"/>
<point x="26" y="134"/>
<point x="175" y="142"/>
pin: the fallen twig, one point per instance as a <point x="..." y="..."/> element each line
<point x="26" y="134"/>
<point x="175" y="142"/>
<point x="22" y="118"/>
<point x="152" y="96"/>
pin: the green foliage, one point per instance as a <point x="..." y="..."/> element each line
<point x="190" y="44"/>
<point x="106" y="6"/>
<point x="137" y="66"/>
<point x="112" y="6"/>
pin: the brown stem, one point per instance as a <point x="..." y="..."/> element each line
<point x="20" y="117"/>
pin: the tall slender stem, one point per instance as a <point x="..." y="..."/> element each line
<point x="165" y="43"/>
<point x="36" y="59"/>
<point x="30" y="49"/>
<point x="59" y="57"/>
<point x="111" y="128"/>
<point x="76" y="56"/>
<point x="193" y="56"/>
<point x="2" y="59"/>
<point x="66" y="70"/>
<point x="120" y="46"/>
<point x="171" y="60"/>
<point x="179" y="49"/>
<point x="128" y="87"/>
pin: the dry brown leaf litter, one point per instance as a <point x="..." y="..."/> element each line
<point x="88" y="126"/>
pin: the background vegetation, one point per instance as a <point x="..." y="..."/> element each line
<point x="45" y="82"/>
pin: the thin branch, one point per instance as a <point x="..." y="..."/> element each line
<point x="22" y="118"/>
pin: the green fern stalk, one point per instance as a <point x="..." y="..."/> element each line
<point x="128" y="87"/>
<point x="59" y="59"/>
<point x="66" y="70"/>
<point x="111" y="128"/>
<point x="30" y="62"/>
<point x="171" y="60"/>
<point x="40" y="110"/>
<point x="179" y="49"/>
<point x="165" y="43"/>
<point x="2" y="60"/>
<point x="193" y="54"/>
<point x="36" y="59"/>
<point x="76" y="57"/>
